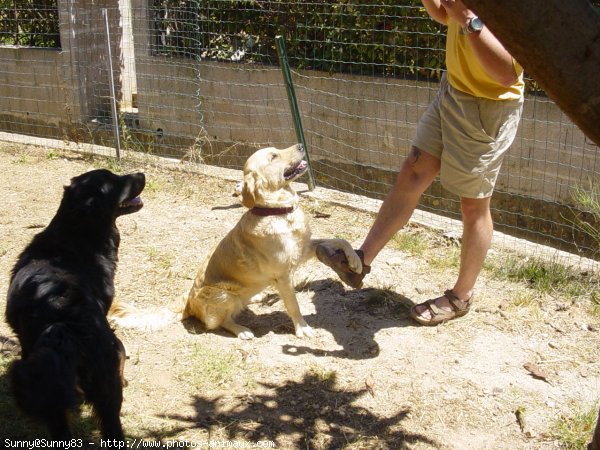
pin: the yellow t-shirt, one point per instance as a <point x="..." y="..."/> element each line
<point x="466" y="74"/>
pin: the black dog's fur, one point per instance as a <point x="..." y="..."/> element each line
<point x="60" y="291"/>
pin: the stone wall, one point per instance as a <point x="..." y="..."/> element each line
<point x="346" y="119"/>
<point x="58" y="92"/>
<point x="349" y="120"/>
<point x="34" y="94"/>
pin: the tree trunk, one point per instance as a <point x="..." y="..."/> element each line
<point x="595" y="444"/>
<point x="558" y="44"/>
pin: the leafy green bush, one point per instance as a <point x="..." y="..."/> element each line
<point x="29" y="23"/>
<point x="368" y="38"/>
<point x="371" y="37"/>
<point x="587" y="216"/>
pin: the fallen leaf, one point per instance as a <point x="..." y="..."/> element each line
<point x="535" y="371"/>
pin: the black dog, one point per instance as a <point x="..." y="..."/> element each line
<point x="60" y="291"/>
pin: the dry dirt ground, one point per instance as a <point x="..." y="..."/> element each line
<point x="370" y="378"/>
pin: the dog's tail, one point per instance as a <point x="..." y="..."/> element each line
<point x="44" y="383"/>
<point x="128" y="316"/>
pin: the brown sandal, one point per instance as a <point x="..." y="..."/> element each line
<point x="439" y="315"/>
<point x="336" y="259"/>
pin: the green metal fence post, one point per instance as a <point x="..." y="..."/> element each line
<point x="287" y="76"/>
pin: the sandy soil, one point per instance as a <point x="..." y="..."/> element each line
<point x="369" y="379"/>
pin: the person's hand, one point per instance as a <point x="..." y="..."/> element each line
<point x="457" y="11"/>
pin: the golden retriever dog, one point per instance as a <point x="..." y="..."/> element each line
<point x="264" y="248"/>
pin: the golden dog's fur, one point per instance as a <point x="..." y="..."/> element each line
<point x="263" y="249"/>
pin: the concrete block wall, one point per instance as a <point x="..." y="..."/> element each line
<point x="56" y="92"/>
<point x="348" y="120"/>
<point x="34" y="91"/>
<point x="371" y="122"/>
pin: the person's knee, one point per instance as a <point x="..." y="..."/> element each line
<point x="475" y="209"/>
<point x="420" y="167"/>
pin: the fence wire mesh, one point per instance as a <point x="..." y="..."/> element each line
<point x="200" y="81"/>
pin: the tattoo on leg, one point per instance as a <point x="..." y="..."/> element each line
<point x="414" y="155"/>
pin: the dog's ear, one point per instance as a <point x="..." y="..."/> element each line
<point x="250" y="189"/>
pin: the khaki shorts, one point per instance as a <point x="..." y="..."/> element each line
<point x="470" y="136"/>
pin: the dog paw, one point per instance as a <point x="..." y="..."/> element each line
<point x="354" y="262"/>
<point x="304" y="331"/>
<point x="257" y="298"/>
<point x="246" y="334"/>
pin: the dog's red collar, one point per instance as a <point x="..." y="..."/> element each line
<point x="265" y="211"/>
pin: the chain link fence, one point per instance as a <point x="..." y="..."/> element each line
<point x="200" y="81"/>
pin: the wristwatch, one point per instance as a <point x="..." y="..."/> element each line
<point x="474" y="24"/>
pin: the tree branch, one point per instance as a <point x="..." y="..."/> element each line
<point x="558" y="43"/>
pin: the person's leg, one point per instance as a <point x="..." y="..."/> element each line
<point x="416" y="174"/>
<point x="477" y="237"/>
<point x="476" y="240"/>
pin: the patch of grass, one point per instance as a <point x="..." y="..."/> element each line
<point x="595" y="303"/>
<point x="546" y="277"/>
<point x="211" y="368"/>
<point x="388" y="302"/>
<point x="543" y="276"/>
<point x="575" y="431"/>
<point x="53" y="154"/>
<point x="314" y="207"/>
<point x="303" y="284"/>
<point x="443" y="259"/>
<point x="527" y="304"/>
<point x="83" y="422"/>
<point x="413" y="243"/>
<point x="323" y="375"/>
<point x="153" y="186"/>
<point x="589" y="201"/>
<point x="173" y="184"/>
<point x="202" y="145"/>
<point x="115" y="165"/>
<point x="131" y="142"/>
<point x="526" y="299"/>
<point x="160" y="259"/>
<point x="23" y="158"/>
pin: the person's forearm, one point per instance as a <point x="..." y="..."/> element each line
<point x="492" y="55"/>
<point x="495" y="59"/>
<point x="436" y="11"/>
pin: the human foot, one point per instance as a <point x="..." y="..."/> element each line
<point x="440" y="309"/>
<point x="336" y="259"/>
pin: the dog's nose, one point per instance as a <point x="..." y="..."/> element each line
<point x="301" y="148"/>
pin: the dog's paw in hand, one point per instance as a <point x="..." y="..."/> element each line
<point x="354" y="262"/>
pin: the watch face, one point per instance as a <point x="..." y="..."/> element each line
<point x="476" y="24"/>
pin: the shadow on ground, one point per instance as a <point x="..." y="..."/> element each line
<point x="19" y="431"/>
<point x="353" y="318"/>
<point x="311" y="414"/>
<point x="342" y="313"/>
